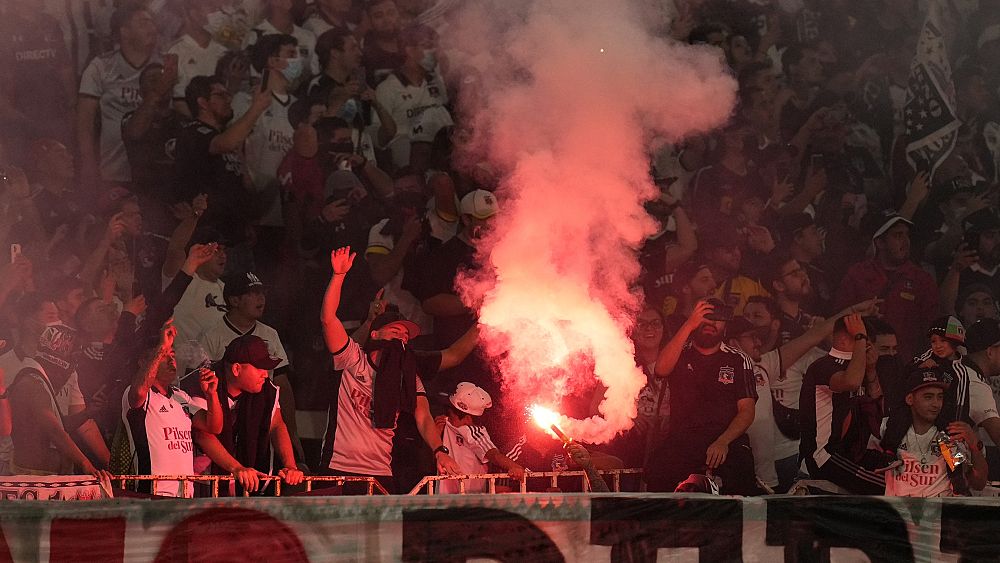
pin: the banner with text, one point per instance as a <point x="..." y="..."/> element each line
<point x="505" y="528"/>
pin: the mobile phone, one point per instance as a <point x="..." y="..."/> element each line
<point x="971" y="240"/>
<point x="264" y="77"/>
<point x="15" y="251"/>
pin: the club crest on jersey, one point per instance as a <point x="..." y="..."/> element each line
<point x="727" y="375"/>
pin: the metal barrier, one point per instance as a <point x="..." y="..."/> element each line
<point x="373" y="485"/>
<point x="615" y="485"/>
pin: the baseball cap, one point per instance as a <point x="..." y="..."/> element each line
<point x="395" y="317"/>
<point x="340" y="183"/>
<point x="481" y="204"/>
<point x="57" y="345"/>
<point x="950" y="328"/>
<point x="981" y="221"/>
<point x="470" y="399"/>
<point x="881" y="222"/>
<point x="240" y="284"/>
<point x="793" y="224"/>
<point x="983" y="334"/>
<point x="926" y="378"/>
<point x="721" y="311"/>
<point x="738" y="327"/>
<point x="206" y="235"/>
<point x="250" y="349"/>
<point x="972" y="288"/>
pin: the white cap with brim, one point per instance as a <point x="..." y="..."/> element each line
<point x="480" y="204"/>
<point x="470" y="399"/>
<point x="889" y="223"/>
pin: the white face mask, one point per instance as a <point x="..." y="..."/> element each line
<point x="429" y="62"/>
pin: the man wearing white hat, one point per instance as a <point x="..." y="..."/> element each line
<point x="470" y="444"/>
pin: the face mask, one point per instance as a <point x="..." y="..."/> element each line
<point x="349" y="110"/>
<point x="216" y="21"/>
<point x="292" y="70"/>
<point x="429" y="62"/>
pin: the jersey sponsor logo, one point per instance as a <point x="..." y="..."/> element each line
<point x="177" y="439"/>
<point x="35" y="55"/>
<point x="727" y="375"/>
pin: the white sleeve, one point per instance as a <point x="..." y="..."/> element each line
<point x="982" y="406"/>
<point x="481" y="438"/>
<point x="91" y="83"/>
<point x="350" y="358"/>
<point x="771" y="364"/>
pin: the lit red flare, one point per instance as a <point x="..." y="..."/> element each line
<point x="548" y="419"/>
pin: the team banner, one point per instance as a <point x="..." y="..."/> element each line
<point x="54" y="487"/>
<point x="505" y="528"/>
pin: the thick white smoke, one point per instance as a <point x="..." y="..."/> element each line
<point x="571" y="93"/>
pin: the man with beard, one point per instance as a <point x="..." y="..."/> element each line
<point x="789" y="283"/>
<point x="208" y="154"/>
<point x="712" y="398"/>
<point x="910" y="294"/>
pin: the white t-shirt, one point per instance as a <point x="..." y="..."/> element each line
<point x="408" y="304"/>
<point x="306" y="39"/>
<point x="924" y="472"/>
<point x="265" y="148"/>
<point x="763" y="433"/>
<point x="159" y="434"/>
<point x="199" y="309"/>
<point x="215" y="340"/>
<point x="785" y="389"/>
<point x="69" y="395"/>
<point x="358" y="447"/>
<point x="114" y="82"/>
<point x="468" y="446"/>
<point x="10" y="365"/>
<point x="406" y="103"/>
<point x="193" y="60"/>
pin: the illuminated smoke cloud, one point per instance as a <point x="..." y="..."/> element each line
<point x="570" y="93"/>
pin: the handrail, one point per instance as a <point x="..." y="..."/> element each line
<point x="373" y="484"/>
<point x="553" y="476"/>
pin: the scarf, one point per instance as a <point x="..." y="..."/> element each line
<point x="395" y="386"/>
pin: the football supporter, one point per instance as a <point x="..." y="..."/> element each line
<point x="158" y="419"/>
<point x="376" y="383"/>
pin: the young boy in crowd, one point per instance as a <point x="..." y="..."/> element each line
<point x="470" y="444"/>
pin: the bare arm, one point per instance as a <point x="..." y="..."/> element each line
<point x="718" y="451"/>
<point x="176" y="256"/>
<point x="32" y="396"/>
<point x="457" y="352"/>
<point x="384" y="267"/>
<point x="795" y="349"/>
<point x="670" y="353"/>
<point x="281" y="442"/>
<point x="333" y="330"/>
<point x="379" y="180"/>
<point x="232" y="138"/>
<point x="687" y="241"/>
<point x="431" y="434"/>
<point x="210" y="419"/>
<point x="143" y="379"/>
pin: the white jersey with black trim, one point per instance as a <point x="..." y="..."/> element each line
<point x="468" y="446"/>
<point x="159" y="434"/>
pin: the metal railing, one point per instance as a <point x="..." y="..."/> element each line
<point x="374" y="487"/>
<point x="615" y="485"/>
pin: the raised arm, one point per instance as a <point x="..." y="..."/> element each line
<point x="795" y="349"/>
<point x="431" y="434"/>
<point x="457" y="352"/>
<point x="182" y="234"/>
<point x="672" y="351"/>
<point x="144" y="378"/>
<point x="851" y="378"/>
<point x="341" y="260"/>
<point x="210" y="419"/>
<point x="232" y="138"/>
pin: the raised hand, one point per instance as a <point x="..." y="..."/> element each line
<point x="208" y="382"/>
<point x="167" y="334"/>
<point x="200" y="254"/>
<point x="855" y="325"/>
<point x="341" y="260"/>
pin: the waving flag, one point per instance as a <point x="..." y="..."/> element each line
<point x="930" y="111"/>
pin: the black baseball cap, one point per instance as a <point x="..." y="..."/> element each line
<point x="207" y="235"/>
<point x="793" y="224"/>
<point x="981" y="221"/>
<point x="981" y="335"/>
<point x="240" y="284"/>
<point x="926" y="378"/>
<point x="395" y="317"/>
<point x="250" y="349"/>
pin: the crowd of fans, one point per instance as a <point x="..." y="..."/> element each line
<point x="183" y="183"/>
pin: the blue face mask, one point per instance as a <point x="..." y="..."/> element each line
<point x="349" y="110"/>
<point x="292" y="70"/>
